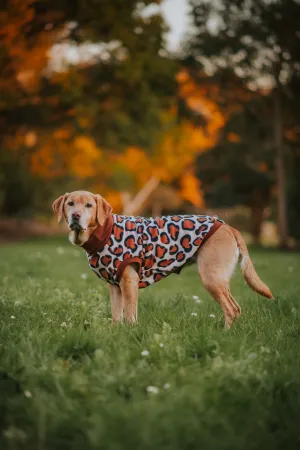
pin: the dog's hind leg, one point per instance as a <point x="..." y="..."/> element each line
<point x="216" y="262"/>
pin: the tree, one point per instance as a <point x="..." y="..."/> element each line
<point x="98" y="107"/>
<point x="258" y="40"/>
<point x="179" y="140"/>
<point x="292" y="137"/>
<point x="240" y="168"/>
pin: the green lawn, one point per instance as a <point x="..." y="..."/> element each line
<point x="69" y="379"/>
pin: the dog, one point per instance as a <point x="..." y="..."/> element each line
<point x="131" y="253"/>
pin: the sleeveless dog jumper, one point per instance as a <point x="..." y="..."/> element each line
<point x="159" y="246"/>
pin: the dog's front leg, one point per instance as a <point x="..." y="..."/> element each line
<point x="129" y="285"/>
<point x="117" y="303"/>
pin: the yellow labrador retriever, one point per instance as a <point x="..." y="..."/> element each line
<point x="130" y="253"/>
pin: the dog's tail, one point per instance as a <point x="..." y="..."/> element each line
<point x="248" y="269"/>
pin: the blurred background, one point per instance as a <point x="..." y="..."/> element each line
<point x="159" y="106"/>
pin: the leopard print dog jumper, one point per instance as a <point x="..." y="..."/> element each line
<point x="159" y="246"/>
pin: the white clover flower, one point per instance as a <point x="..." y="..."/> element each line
<point x="194" y="314"/>
<point x="63" y="324"/>
<point x="98" y="353"/>
<point x="167" y="386"/>
<point x="15" y="433"/>
<point x="152" y="390"/>
<point x="195" y="297"/>
<point x="161" y="345"/>
<point x="28" y="394"/>
<point x="198" y="300"/>
<point x="59" y="250"/>
<point x="12" y="317"/>
<point x="84" y="276"/>
<point x="145" y="353"/>
<point x="212" y="316"/>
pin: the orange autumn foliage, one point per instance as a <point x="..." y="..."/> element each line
<point x="85" y="158"/>
<point x="113" y="197"/>
<point x="198" y="98"/>
<point x="180" y="143"/>
<point x="263" y="167"/>
<point x="233" y="137"/>
<point x="172" y="159"/>
<point x="178" y="149"/>
<point x="25" y="57"/>
<point x="56" y="156"/>
<point x="135" y="161"/>
<point x="190" y="190"/>
<point x="49" y="160"/>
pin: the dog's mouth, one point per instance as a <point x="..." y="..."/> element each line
<point x="75" y="226"/>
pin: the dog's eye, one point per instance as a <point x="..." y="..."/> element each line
<point x="88" y="205"/>
<point x="71" y="203"/>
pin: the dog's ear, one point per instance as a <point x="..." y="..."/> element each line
<point x="58" y="206"/>
<point x="103" y="209"/>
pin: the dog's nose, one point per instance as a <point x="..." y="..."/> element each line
<point x="76" y="216"/>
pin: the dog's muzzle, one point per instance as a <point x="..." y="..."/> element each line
<point x="75" y="225"/>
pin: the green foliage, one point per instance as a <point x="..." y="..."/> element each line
<point x="15" y="183"/>
<point x="252" y="37"/>
<point x="69" y="379"/>
<point x="294" y="197"/>
<point x="241" y="165"/>
<point x="257" y="42"/>
<point x="293" y="141"/>
<point x="124" y="100"/>
<point x="240" y="169"/>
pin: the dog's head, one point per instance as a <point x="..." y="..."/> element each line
<point x="83" y="211"/>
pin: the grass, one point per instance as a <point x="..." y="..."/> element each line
<point x="71" y="380"/>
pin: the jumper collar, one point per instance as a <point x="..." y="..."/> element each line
<point x="99" y="238"/>
<point x="212" y="231"/>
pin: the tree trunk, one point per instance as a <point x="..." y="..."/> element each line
<point x="260" y="199"/>
<point x="135" y="205"/>
<point x="257" y="218"/>
<point x="156" y="209"/>
<point x="280" y="169"/>
<point x="126" y="198"/>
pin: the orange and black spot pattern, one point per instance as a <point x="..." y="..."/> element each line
<point x="159" y="246"/>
